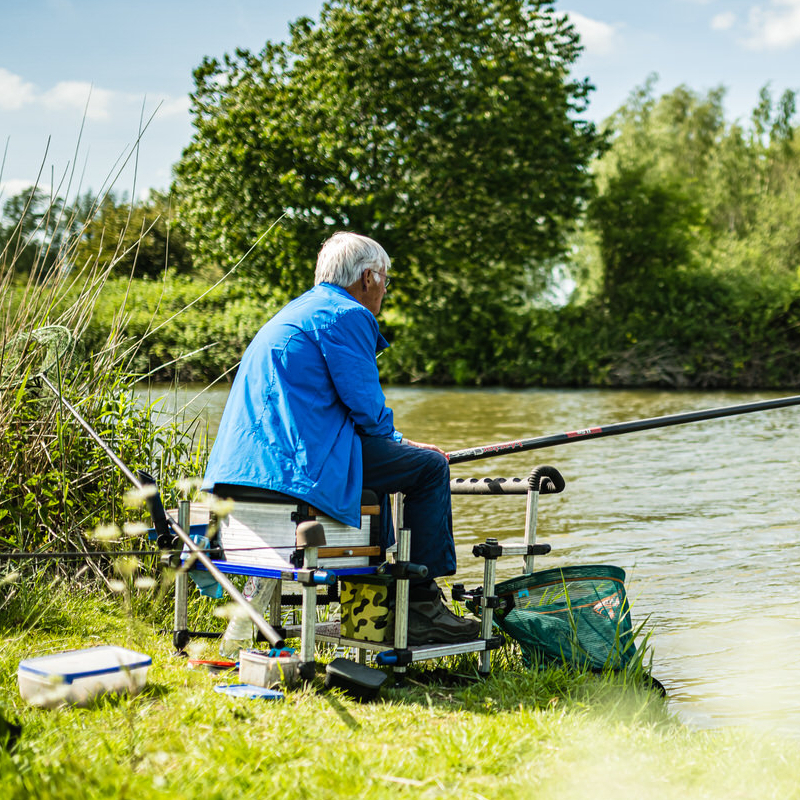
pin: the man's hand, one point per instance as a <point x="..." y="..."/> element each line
<point x="424" y="446"/>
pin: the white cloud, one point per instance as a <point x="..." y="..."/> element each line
<point x="724" y="21"/>
<point x="82" y="96"/>
<point x="774" y="27"/>
<point x="599" y="38"/>
<point x="173" y="106"/>
<point x="76" y="94"/>
<point x="16" y="186"/>
<point x="14" y="91"/>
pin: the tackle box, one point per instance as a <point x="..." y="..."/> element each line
<point x="76" y="677"/>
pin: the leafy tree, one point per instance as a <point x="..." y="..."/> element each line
<point x="675" y="136"/>
<point x="739" y="186"/>
<point x="33" y="228"/>
<point x="449" y="130"/>
<point x="646" y="236"/>
<point x="138" y="239"/>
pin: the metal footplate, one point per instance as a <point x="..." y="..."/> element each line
<point x="329" y="632"/>
<point x="423" y="652"/>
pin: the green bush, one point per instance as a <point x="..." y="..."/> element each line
<point x="701" y="329"/>
<point x="57" y="485"/>
<point x="184" y="328"/>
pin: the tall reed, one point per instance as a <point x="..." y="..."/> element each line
<point x="56" y="486"/>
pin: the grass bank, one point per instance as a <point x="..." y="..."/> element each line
<point x="515" y="735"/>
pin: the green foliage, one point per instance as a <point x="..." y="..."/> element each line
<point x="35" y="228"/>
<point x="39" y="232"/>
<point x="687" y="263"/>
<point x="187" y="328"/>
<point x="699" y="329"/>
<point x="56" y="484"/>
<point x="646" y="237"/>
<point x="696" y="233"/>
<point x="448" y="131"/>
<point x="742" y="184"/>
<point x="138" y="239"/>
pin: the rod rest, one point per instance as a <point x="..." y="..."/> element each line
<point x="476" y="596"/>
<point x="489" y="486"/>
<point x="546" y="480"/>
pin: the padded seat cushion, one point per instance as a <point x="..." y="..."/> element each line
<point x="256" y="494"/>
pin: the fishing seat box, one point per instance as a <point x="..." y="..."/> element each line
<point x="260" y="530"/>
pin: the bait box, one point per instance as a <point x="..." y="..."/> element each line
<point x="76" y="677"/>
<point x="260" y="669"/>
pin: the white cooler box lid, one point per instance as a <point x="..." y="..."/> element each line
<point x="76" y="664"/>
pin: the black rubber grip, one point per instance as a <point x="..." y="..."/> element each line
<point x="546" y="480"/>
<point x="165" y="538"/>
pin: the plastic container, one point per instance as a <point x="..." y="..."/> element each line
<point x="260" y="669"/>
<point x="76" y="677"/>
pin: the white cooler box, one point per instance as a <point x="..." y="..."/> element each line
<point x="78" y="676"/>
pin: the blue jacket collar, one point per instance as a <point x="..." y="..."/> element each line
<point x="381" y="344"/>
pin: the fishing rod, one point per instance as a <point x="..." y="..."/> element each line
<point x="615" y="429"/>
<point x="56" y="340"/>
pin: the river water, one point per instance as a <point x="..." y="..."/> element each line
<point x="704" y="518"/>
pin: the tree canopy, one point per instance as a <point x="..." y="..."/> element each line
<point x="737" y="184"/>
<point x="139" y="239"/>
<point x="449" y="130"/>
<point x="34" y="226"/>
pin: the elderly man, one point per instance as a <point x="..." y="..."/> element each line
<point x="306" y="417"/>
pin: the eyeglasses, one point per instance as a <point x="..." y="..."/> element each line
<point x="386" y="278"/>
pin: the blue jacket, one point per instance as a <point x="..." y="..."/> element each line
<point x="306" y="384"/>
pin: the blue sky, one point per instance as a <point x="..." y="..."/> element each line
<point x="131" y="61"/>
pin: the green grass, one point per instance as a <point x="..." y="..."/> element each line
<point x="552" y="734"/>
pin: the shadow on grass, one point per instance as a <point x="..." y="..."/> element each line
<point x="510" y="688"/>
<point x="111" y="700"/>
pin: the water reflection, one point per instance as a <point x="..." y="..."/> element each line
<point x="703" y="518"/>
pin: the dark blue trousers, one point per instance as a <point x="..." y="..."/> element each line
<point x="424" y="478"/>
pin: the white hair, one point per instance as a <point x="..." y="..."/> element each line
<point x="344" y="256"/>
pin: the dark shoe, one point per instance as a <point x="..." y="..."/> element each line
<point x="431" y="621"/>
